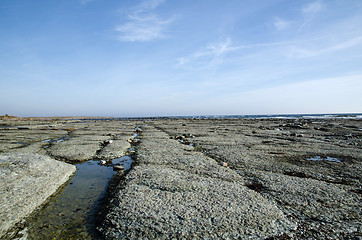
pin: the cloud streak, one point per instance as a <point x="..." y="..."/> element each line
<point x="211" y="55"/>
<point x="149" y="5"/>
<point x="85" y="1"/>
<point x="312" y="8"/>
<point x="281" y="24"/>
<point x="215" y="53"/>
<point x="298" y="52"/>
<point x="308" y="12"/>
<point x="143" y="24"/>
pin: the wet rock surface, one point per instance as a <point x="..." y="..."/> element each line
<point x="26" y="181"/>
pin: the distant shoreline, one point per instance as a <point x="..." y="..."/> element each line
<point x="261" y="116"/>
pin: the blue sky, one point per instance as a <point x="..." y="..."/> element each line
<point x="189" y="57"/>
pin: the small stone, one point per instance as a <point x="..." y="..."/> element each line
<point x="224" y="164"/>
<point x="180" y="137"/>
<point x="118" y="168"/>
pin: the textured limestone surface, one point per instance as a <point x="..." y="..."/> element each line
<point x="26" y="181"/>
<point x="115" y="148"/>
<point x="71" y="141"/>
<point x="242" y="178"/>
<point x="176" y="193"/>
<point x="28" y="148"/>
<point x="310" y="168"/>
<point x="214" y="178"/>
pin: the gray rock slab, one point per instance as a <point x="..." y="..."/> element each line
<point x="273" y="157"/>
<point x="23" y="140"/>
<point x="177" y="193"/>
<point x="26" y="181"/>
<point x="80" y="148"/>
<point x="316" y="199"/>
<point x="115" y="149"/>
<point x="335" y="206"/>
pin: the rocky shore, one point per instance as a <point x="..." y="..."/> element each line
<point x="33" y="156"/>
<point x="242" y="179"/>
<point x="26" y="181"/>
<point x="211" y="178"/>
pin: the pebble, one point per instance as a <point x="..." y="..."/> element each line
<point x="118" y="168"/>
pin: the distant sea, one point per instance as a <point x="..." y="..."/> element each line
<point x="276" y="116"/>
<point x="283" y="116"/>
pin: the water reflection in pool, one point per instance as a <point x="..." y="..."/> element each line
<point x="71" y="214"/>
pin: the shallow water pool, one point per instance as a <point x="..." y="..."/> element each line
<point x="322" y="158"/>
<point x="71" y="214"/>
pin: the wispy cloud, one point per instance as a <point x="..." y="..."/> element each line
<point x="281" y="24"/>
<point x="142" y="28"/>
<point x="216" y="53"/>
<point x="149" y="5"/>
<point x="143" y="24"/>
<point x="310" y="11"/>
<point x="85" y="1"/>
<point x="313" y="8"/>
<point x="299" y="52"/>
<point x="213" y="55"/>
<point x="210" y="55"/>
